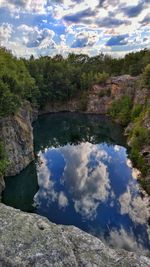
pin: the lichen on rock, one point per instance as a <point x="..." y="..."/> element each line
<point x="31" y="240"/>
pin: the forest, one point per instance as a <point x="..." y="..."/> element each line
<point x="61" y="79"/>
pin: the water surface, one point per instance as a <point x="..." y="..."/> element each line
<point x="82" y="176"/>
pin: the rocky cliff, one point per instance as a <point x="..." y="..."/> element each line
<point x="101" y="96"/>
<point x="17" y="136"/>
<point x="30" y="240"/>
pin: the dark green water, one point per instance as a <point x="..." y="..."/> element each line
<point x="82" y="176"/>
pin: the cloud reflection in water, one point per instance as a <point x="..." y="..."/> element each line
<point x="86" y="185"/>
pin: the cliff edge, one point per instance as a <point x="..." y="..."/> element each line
<point x="31" y="240"/>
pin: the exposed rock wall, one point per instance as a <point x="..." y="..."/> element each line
<point x="101" y="96"/>
<point x="58" y="107"/>
<point x="17" y="135"/>
<point x="31" y="240"/>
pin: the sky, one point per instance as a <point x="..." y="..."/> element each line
<point x="49" y="27"/>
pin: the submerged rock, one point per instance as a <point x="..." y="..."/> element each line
<point x="31" y="240"/>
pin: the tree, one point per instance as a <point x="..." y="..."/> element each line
<point x="146" y="76"/>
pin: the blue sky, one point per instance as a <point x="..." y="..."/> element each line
<point x="49" y="27"/>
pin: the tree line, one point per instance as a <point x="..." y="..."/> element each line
<point x="61" y="79"/>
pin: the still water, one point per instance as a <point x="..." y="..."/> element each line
<point x="82" y="176"/>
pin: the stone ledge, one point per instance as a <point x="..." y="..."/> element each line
<point x="32" y="240"/>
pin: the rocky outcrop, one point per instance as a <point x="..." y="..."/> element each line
<point x="17" y="135"/>
<point x="101" y="96"/>
<point x="58" y="107"/>
<point x="31" y="240"/>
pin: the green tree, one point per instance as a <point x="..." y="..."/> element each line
<point x="146" y="76"/>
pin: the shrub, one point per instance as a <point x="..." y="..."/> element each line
<point x="136" y="111"/>
<point x="101" y="77"/>
<point x="146" y="76"/>
<point x="120" y="110"/>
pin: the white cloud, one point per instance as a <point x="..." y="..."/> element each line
<point x="24" y="5"/>
<point x="135" y="172"/>
<point x="35" y="37"/>
<point x="6" y="30"/>
<point x="126" y="240"/>
<point x="45" y="183"/>
<point x="136" y="207"/>
<point x="88" y="185"/>
<point x="62" y="200"/>
<point x="79" y="19"/>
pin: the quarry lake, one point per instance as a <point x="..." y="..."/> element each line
<point x="82" y="176"/>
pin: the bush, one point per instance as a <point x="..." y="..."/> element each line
<point x="120" y="110"/>
<point x="138" y="160"/>
<point x="101" y="77"/>
<point x="136" y="111"/>
<point x="145" y="77"/>
<point x="140" y="136"/>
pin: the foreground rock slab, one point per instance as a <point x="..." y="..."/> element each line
<point x="31" y="240"/>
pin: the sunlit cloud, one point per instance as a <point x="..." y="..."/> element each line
<point x="88" y="185"/>
<point x="126" y="240"/>
<point x="118" y="26"/>
<point x="45" y="183"/>
<point x="62" y="200"/>
<point x="134" y="206"/>
<point x="6" y="30"/>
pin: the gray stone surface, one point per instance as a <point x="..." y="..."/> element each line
<point x="17" y="134"/>
<point x="31" y="240"/>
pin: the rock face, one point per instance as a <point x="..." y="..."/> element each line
<point x="17" y="135"/>
<point x="57" y="107"/>
<point x="31" y="240"/>
<point x="2" y="185"/>
<point x="101" y="96"/>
